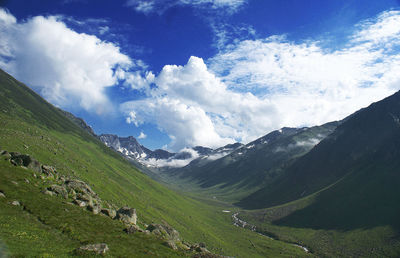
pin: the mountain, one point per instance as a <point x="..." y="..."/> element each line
<point x="130" y="148"/>
<point x="255" y="164"/>
<point x="341" y="199"/>
<point x="79" y="122"/>
<point x="365" y="145"/>
<point x="44" y="154"/>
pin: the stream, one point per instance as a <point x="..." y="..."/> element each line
<point x="243" y="224"/>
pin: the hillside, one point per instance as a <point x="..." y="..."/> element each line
<point x="30" y="125"/>
<point x="342" y="198"/>
<point x="253" y="165"/>
<point x="365" y="145"/>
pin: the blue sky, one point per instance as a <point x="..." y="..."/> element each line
<point x="182" y="73"/>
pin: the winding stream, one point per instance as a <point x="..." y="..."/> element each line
<point x="243" y="224"/>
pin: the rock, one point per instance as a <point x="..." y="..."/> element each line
<point x="80" y="203"/>
<point x="199" y="248"/>
<point x="95" y="209"/>
<point x="95" y="248"/>
<point x="15" y="183"/>
<point x="109" y="212"/>
<point x="132" y="229"/>
<point x="165" y="231"/>
<point x="48" y="192"/>
<point x="26" y="181"/>
<point x="49" y="171"/>
<point x="5" y="155"/>
<point x="171" y="244"/>
<point x="15" y="203"/>
<point x="80" y="187"/>
<point x="25" y="160"/>
<point x="59" y="190"/>
<point x="2" y="195"/>
<point x="127" y="215"/>
<point x="84" y="197"/>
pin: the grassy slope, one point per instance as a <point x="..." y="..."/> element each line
<point x="246" y="170"/>
<point x="370" y="136"/>
<point x="25" y="119"/>
<point x="355" y="211"/>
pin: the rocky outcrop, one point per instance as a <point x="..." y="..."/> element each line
<point x="109" y="212"/>
<point x="58" y="190"/>
<point x="25" y="160"/>
<point x="49" y="171"/>
<point x="127" y="215"/>
<point x="133" y="229"/>
<point x="93" y="248"/>
<point x="164" y="230"/>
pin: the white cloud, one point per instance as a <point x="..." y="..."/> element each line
<point x="172" y="162"/>
<point x="142" y="135"/>
<point x="159" y="6"/>
<point x="254" y="86"/>
<point x="311" y="85"/>
<point x="195" y="108"/>
<point x="145" y="7"/>
<point x="69" y="68"/>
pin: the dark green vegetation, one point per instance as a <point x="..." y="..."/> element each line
<point x="48" y="226"/>
<point x="352" y="183"/>
<point x="254" y="166"/>
<point x="340" y="198"/>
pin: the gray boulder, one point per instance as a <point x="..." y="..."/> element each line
<point x="59" y="190"/>
<point x="109" y="212"/>
<point x="127" y="215"/>
<point x="47" y="192"/>
<point x="15" y="203"/>
<point x="165" y="231"/>
<point x="94" y="248"/>
<point x="132" y="229"/>
<point x="49" y="171"/>
<point x="25" y="160"/>
<point x="80" y="203"/>
<point x="80" y="187"/>
<point x="171" y="244"/>
<point x="94" y="208"/>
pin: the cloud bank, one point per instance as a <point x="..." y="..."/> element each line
<point x="68" y="68"/>
<point x="255" y="86"/>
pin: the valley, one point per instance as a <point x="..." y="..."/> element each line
<point x="201" y="129"/>
<point x="318" y="191"/>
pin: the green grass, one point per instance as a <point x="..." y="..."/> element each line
<point x="27" y="121"/>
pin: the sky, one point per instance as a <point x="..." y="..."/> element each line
<point x="181" y="73"/>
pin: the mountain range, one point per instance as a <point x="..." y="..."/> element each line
<point x="331" y="189"/>
<point x="130" y="148"/>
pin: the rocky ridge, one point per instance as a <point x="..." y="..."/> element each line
<point x="130" y="148"/>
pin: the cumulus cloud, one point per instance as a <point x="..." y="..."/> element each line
<point x="195" y="108"/>
<point x="255" y="86"/>
<point x="142" y="135"/>
<point x="68" y="68"/>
